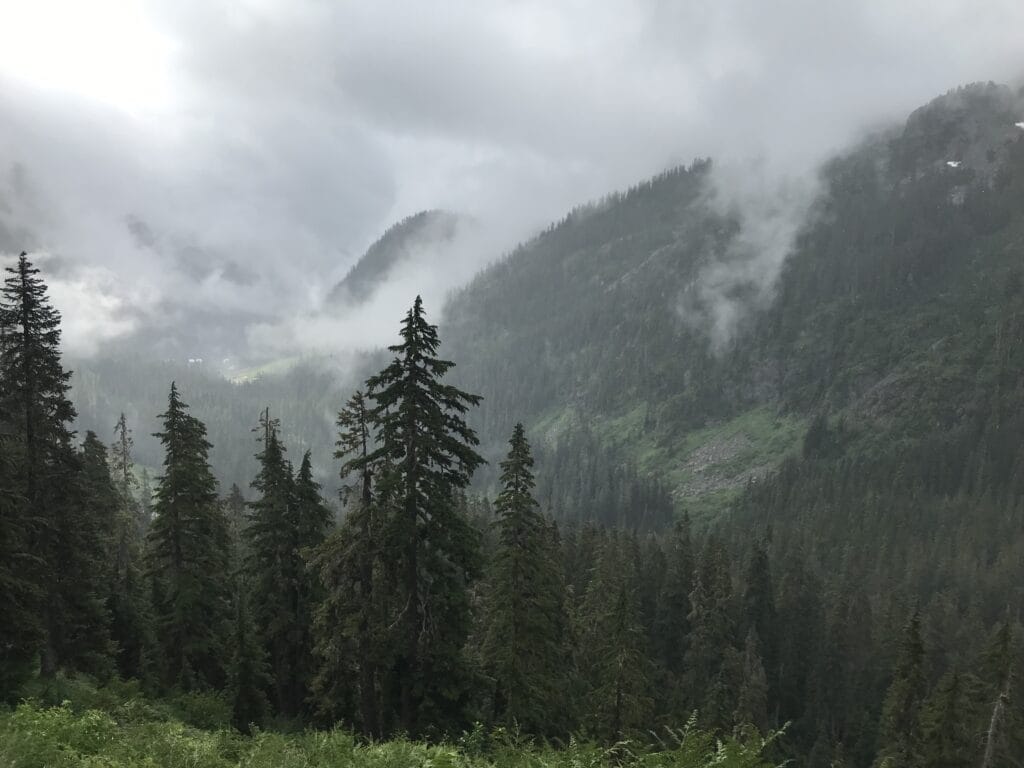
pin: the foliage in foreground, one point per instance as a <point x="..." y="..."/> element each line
<point x="135" y="732"/>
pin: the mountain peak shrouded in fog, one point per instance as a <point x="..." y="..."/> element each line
<point x="412" y="237"/>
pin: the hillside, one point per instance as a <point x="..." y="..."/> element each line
<point x="881" y="316"/>
<point x="908" y="258"/>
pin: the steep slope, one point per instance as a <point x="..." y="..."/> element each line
<point x="878" y="311"/>
<point x="424" y="230"/>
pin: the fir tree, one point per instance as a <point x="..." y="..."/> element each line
<point x="44" y="524"/>
<point x="275" y="567"/>
<point x="758" y="610"/>
<point x="615" y="660"/>
<point x="672" y="626"/>
<point x="189" y="554"/>
<point x="752" y="701"/>
<point x="901" y="712"/>
<point x="426" y="452"/>
<point x="949" y="723"/>
<point x="129" y="609"/>
<point x="351" y="620"/>
<point x="711" y="645"/>
<point x="86" y="555"/>
<point x="524" y="617"/>
<point x="248" y="674"/>
<point x="312" y="520"/>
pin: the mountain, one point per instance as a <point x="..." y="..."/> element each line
<point x="400" y="243"/>
<point x="893" y="315"/>
<point x="904" y="263"/>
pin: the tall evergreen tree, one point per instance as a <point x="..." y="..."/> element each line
<point x="672" y="627"/>
<point x="85" y="574"/>
<point x="711" y="645"/>
<point x="20" y="629"/>
<point x="615" y="661"/>
<point x="901" y="712"/>
<point x="189" y="554"/>
<point x="351" y="620"/>
<point x="275" y="566"/>
<point x="129" y="609"/>
<point x="312" y="519"/>
<point x="758" y="610"/>
<point x="524" y="618"/>
<point x="426" y="452"/>
<point x="248" y="673"/>
<point x="45" y="525"/>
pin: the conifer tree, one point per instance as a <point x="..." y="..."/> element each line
<point x="524" y="617"/>
<point x="949" y="723"/>
<point x="614" y="657"/>
<point x="248" y="674"/>
<point x="275" y="567"/>
<point x="752" y="701"/>
<point x="130" y="620"/>
<point x="189" y="554"/>
<point x="758" y="610"/>
<point x="20" y="631"/>
<point x="426" y="453"/>
<point x="351" y="619"/>
<point x="312" y="521"/>
<point x="711" y="645"/>
<point x="672" y="626"/>
<point x="45" y="525"/>
<point x="86" y="557"/>
<point x="235" y="509"/>
<point x="901" y="713"/>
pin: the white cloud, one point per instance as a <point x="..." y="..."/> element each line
<point x="272" y="140"/>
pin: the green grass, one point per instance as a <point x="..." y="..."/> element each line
<point x="116" y="726"/>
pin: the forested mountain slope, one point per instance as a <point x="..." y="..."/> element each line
<point x="895" y="311"/>
<point x="898" y="308"/>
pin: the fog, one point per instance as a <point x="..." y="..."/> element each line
<point x="194" y="177"/>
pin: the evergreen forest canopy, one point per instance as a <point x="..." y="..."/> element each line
<point x="807" y="542"/>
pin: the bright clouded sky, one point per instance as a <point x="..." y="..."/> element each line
<point x="179" y="156"/>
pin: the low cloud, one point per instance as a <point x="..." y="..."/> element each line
<point x="770" y="208"/>
<point x="232" y="159"/>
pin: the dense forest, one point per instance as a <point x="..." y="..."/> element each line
<point x="806" y="542"/>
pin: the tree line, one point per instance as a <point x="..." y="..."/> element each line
<point x="426" y="609"/>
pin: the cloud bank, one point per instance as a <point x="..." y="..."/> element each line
<point x="201" y="172"/>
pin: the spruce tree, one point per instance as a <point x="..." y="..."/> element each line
<point x="86" y="557"/>
<point x="248" y="673"/>
<point x="274" y="566"/>
<point x="758" y="610"/>
<point x="45" y="528"/>
<point x="950" y="720"/>
<point x="752" y="701"/>
<point x="312" y="521"/>
<point x="524" y="615"/>
<point x="901" y="713"/>
<point x="129" y="608"/>
<point x="20" y="629"/>
<point x="351" y="620"/>
<point x="672" y="624"/>
<point x="711" y="645"/>
<point x="189" y="555"/>
<point x="615" y="661"/>
<point x="426" y="452"/>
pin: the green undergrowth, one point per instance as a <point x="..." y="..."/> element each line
<point x="118" y="726"/>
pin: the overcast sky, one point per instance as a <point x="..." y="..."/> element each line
<point x="189" y="156"/>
